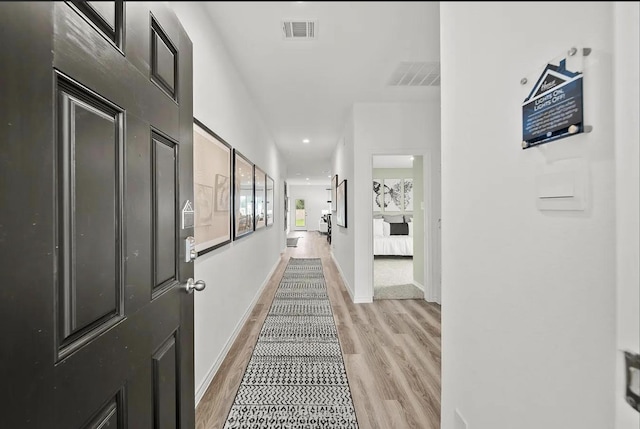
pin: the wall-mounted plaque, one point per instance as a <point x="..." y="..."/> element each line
<point x="553" y="108"/>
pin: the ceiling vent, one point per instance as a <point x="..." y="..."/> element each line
<point x="416" y="74"/>
<point x="299" y="30"/>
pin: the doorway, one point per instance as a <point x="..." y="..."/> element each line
<point x="300" y="215"/>
<point x="398" y="227"/>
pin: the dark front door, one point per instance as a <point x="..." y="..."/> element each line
<point x="95" y="166"/>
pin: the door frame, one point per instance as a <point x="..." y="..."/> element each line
<point x="296" y="227"/>
<point x="432" y="248"/>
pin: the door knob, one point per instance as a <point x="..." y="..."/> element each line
<point x="195" y="285"/>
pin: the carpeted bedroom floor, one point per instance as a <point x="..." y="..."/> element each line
<point x="393" y="278"/>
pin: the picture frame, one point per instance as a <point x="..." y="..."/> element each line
<point x="392" y="189"/>
<point x="260" y="197"/>
<point x="286" y="207"/>
<point x="341" y="200"/>
<point x="334" y="187"/>
<point x="270" y="200"/>
<point x="212" y="163"/>
<point x="243" y="195"/>
<point x="378" y="195"/>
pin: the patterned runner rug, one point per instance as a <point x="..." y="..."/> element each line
<point x="296" y="376"/>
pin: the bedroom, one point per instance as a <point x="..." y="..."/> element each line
<point x="398" y="270"/>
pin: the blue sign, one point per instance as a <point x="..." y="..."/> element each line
<point x="553" y="109"/>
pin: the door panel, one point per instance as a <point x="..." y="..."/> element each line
<point x="164" y="196"/>
<point x="106" y="17"/>
<point x="94" y="172"/>
<point x="110" y="416"/>
<point x="163" y="59"/>
<point x="165" y="378"/>
<point x="89" y="185"/>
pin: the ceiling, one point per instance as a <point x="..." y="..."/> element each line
<point x="304" y="88"/>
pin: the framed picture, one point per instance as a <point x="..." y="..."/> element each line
<point x="378" y="195"/>
<point x="242" y="195"/>
<point x="222" y="193"/>
<point x="407" y="192"/>
<point x="212" y="189"/>
<point x="270" y="205"/>
<point x="341" y="200"/>
<point x="260" y="183"/>
<point x="286" y="207"/>
<point x="392" y="195"/>
<point x="334" y="187"/>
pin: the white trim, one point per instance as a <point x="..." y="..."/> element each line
<point x="363" y="300"/>
<point x="418" y="285"/>
<point x="344" y="278"/>
<point x="202" y="389"/>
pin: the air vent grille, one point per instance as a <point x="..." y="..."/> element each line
<point x="299" y="30"/>
<point x="416" y="74"/>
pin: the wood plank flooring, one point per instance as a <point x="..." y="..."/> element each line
<point x="391" y="350"/>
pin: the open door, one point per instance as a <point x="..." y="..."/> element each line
<point x="96" y="165"/>
<point x="301" y="215"/>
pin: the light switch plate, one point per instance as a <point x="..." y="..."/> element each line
<point x="563" y="185"/>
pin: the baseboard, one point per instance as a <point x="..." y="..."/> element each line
<point x="202" y="389"/>
<point x="363" y="300"/>
<point x="418" y="285"/>
<point x="344" y="279"/>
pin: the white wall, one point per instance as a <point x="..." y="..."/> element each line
<point x="223" y="104"/>
<point x="528" y="326"/>
<point x="315" y="200"/>
<point x="391" y="128"/>
<point x="342" y="239"/>
<point x="627" y="100"/>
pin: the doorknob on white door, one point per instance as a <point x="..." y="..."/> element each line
<point x="195" y="285"/>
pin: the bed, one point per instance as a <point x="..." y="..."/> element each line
<point x="392" y="238"/>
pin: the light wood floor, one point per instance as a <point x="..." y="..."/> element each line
<point x="391" y="350"/>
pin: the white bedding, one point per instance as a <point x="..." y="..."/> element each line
<point x="393" y="245"/>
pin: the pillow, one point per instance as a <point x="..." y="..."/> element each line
<point x="410" y="229"/>
<point x="399" y="228"/>
<point x="408" y="218"/>
<point x="386" y="229"/>
<point x="394" y="219"/>
<point x="377" y="227"/>
<point x="377" y="216"/>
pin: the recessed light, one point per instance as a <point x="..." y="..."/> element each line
<point x="307" y="178"/>
<point x="411" y="158"/>
<point x="329" y="177"/>
<point x="305" y="141"/>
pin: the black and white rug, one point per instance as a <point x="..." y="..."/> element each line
<point x="296" y="376"/>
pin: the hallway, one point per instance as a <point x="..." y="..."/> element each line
<point x="398" y="341"/>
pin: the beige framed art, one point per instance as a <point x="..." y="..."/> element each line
<point x="270" y="197"/>
<point x="243" y="195"/>
<point x="260" y="198"/>
<point x="212" y="189"/>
